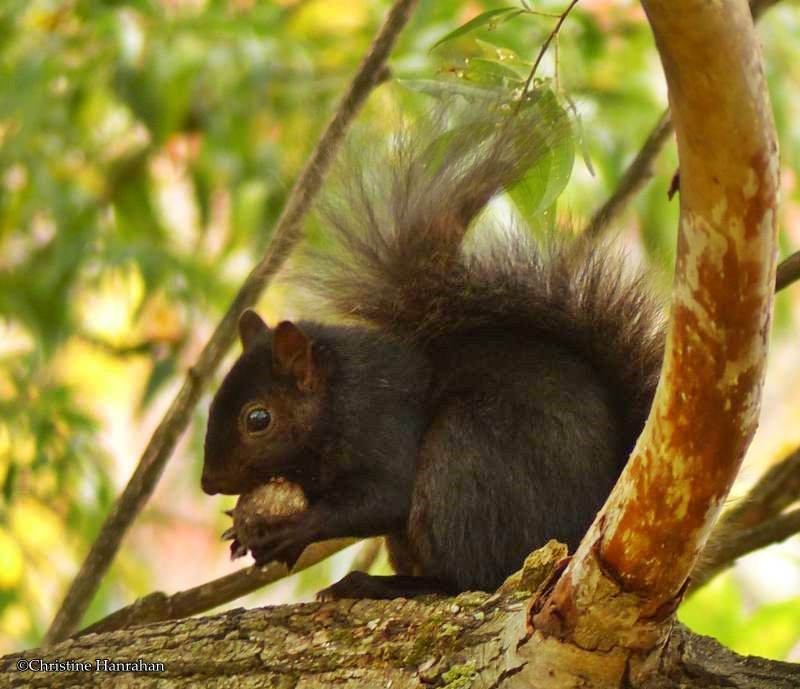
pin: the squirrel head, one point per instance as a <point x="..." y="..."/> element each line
<point x="266" y="410"/>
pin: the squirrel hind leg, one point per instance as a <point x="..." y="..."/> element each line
<point x="362" y="585"/>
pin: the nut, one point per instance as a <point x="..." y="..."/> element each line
<point x="270" y="502"/>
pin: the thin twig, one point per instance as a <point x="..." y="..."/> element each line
<point x="776" y="490"/>
<point x="788" y="271"/>
<point x="724" y="553"/>
<point x="634" y="178"/>
<point x="287" y="233"/>
<point x="159" y="607"/>
<point x="544" y="47"/>
<point x="739" y="529"/>
<point x="367" y="555"/>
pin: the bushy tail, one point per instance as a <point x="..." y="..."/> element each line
<point x="400" y="263"/>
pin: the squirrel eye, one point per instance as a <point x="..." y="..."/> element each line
<point x="257" y="420"/>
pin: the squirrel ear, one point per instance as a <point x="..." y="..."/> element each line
<point x="292" y="355"/>
<point x="250" y="327"/>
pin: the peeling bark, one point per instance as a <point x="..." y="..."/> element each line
<point x="706" y="408"/>
<point x="619" y="593"/>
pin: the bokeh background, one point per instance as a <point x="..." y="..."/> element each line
<point x="146" y="149"/>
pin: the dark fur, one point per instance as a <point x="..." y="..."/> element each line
<point x="481" y="401"/>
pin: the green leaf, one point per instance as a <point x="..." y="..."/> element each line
<point x="535" y="195"/>
<point x="489" y="17"/>
<point x="493" y="72"/>
<point x="502" y="54"/>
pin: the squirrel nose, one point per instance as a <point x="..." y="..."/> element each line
<point x="207" y="484"/>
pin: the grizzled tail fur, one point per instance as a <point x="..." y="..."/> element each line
<point x="400" y="263"/>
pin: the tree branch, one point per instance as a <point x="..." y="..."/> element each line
<point x="459" y="642"/>
<point x="722" y="299"/>
<point x="543" y="49"/>
<point x="634" y="178"/>
<point x="620" y="591"/>
<point x="755" y="522"/>
<point x="286" y="234"/>
<point x="159" y="607"/>
<point x="788" y="272"/>
<point x="722" y="552"/>
<point x="776" y="490"/>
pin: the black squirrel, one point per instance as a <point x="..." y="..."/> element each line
<point x="477" y="399"/>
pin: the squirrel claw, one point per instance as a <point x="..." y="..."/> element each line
<point x="237" y="550"/>
<point x="228" y="534"/>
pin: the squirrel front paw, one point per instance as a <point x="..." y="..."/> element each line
<point x="283" y="541"/>
<point x="268" y="542"/>
<point x="262" y="519"/>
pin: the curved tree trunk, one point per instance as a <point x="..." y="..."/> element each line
<point x="617" y="598"/>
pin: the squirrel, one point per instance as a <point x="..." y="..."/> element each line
<point x="478" y="395"/>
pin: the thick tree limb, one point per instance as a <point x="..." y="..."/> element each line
<point x="722" y="300"/>
<point x="619" y="593"/>
<point x="754" y="523"/>
<point x="286" y="234"/>
<point x="468" y="641"/>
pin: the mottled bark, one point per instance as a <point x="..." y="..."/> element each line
<point x="609" y="616"/>
<point x="468" y="641"/>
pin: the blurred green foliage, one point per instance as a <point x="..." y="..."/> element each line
<point x="719" y="610"/>
<point x="146" y="150"/>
